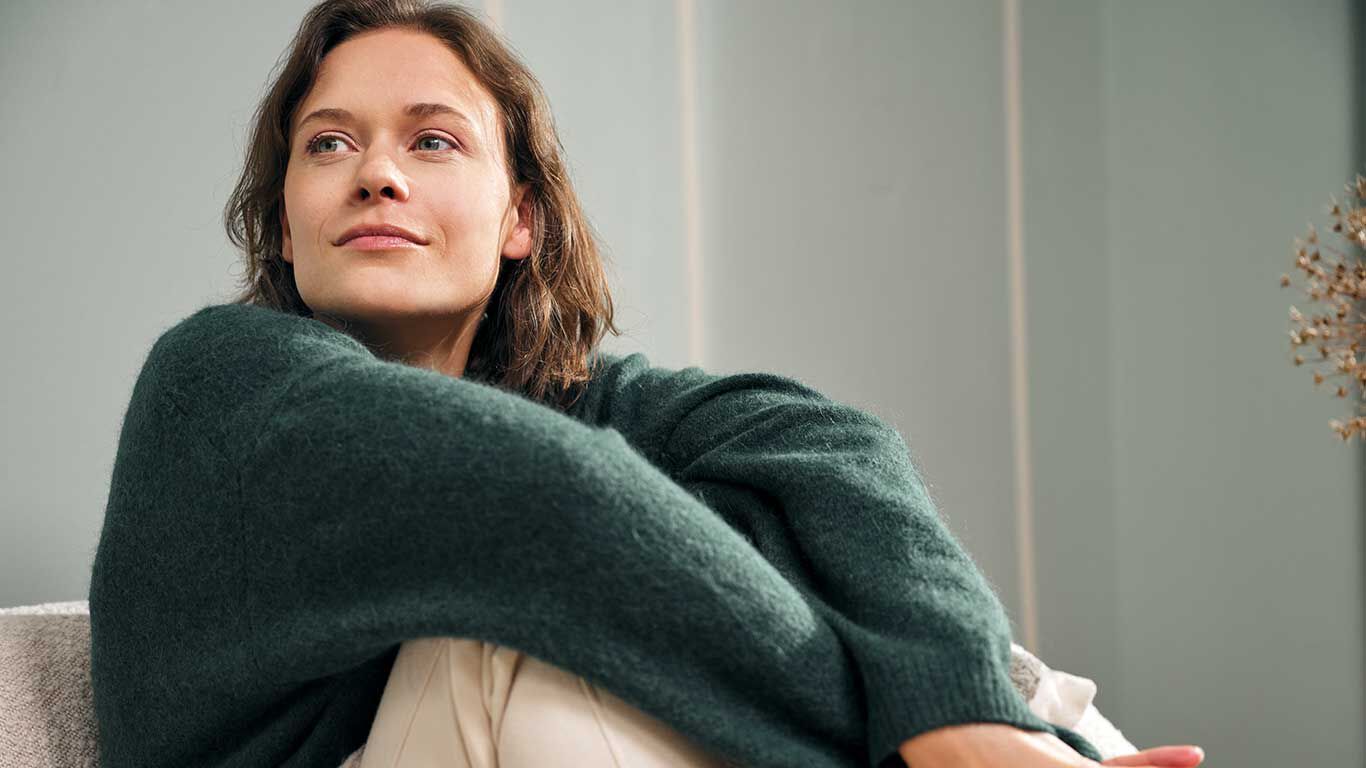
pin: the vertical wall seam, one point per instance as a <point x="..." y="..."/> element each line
<point x="1019" y="337"/>
<point x="685" y="12"/>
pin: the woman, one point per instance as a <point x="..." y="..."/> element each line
<point x="392" y="496"/>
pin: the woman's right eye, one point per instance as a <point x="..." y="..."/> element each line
<point x="312" y="146"/>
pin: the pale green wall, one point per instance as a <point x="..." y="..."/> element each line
<point x="1065" y="186"/>
<point x="1174" y="149"/>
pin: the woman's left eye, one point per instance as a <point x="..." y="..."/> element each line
<point x="433" y="136"/>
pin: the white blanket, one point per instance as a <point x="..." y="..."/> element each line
<point x="1067" y="700"/>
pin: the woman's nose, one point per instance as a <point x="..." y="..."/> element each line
<point x="380" y="176"/>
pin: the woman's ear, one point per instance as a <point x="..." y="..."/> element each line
<point x="286" y="243"/>
<point x="517" y="244"/>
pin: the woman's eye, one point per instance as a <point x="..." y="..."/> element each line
<point x="434" y="137"/>
<point x="312" y="146"/>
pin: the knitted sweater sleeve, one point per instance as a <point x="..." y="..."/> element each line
<point x="286" y="508"/>
<point x="830" y="495"/>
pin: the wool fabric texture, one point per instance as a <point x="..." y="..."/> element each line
<point x="744" y="558"/>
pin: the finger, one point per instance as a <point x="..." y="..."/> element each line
<point x="1187" y="756"/>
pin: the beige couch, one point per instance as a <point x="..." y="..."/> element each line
<point x="47" y="717"/>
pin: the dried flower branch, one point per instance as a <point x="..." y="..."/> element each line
<point x="1339" y="333"/>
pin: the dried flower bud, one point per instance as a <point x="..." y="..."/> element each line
<point x="1336" y="277"/>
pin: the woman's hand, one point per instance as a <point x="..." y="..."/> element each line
<point x="1184" y="756"/>
<point x="996" y="745"/>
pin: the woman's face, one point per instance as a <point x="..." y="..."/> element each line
<point x="435" y="173"/>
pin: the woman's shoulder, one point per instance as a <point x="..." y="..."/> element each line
<point x="234" y="338"/>
<point x="246" y="326"/>
<point x="215" y="357"/>
<point x="628" y="388"/>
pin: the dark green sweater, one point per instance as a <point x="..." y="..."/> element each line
<point x="744" y="558"/>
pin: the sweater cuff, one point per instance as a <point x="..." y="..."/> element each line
<point x="1078" y="742"/>
<point x="947" y="695"/>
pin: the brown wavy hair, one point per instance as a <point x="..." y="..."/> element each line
<point x="548" y="311"/>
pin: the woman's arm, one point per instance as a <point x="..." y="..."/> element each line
<point x="829" y="494"/>
<point x="286" y="509"/>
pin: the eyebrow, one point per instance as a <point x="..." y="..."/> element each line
<point x="419" y="110"/>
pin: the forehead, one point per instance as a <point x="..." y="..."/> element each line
<point x="381" y="71"/>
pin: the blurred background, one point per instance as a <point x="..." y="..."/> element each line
<point x="1041" y="237"/>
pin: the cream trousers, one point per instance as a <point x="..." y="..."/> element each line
<point x="462" y="703"/>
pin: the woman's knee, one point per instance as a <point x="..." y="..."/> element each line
<point x="498" y="706"/>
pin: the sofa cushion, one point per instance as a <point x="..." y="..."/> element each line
<point x="46" y="704"/>
<point x="47" y="707"/>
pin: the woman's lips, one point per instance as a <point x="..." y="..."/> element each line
<point x="377" y="242"/>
